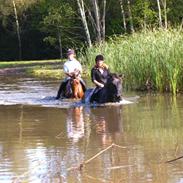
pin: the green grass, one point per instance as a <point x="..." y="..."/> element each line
<point x="156" y="55"/>
<point x="10" y="64"/>
<point x="38" y="68"/>
<point x="46" y="72"/>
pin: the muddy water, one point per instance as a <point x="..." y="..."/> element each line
<point x="50" y="144"/>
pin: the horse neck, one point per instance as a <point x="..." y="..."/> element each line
<point x="75" y="83"/>
<point x="77" y="88"/>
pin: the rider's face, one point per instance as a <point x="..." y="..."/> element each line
<point x="71" y="56"/>
<point x="100" y="63"/>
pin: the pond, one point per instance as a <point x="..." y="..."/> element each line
<point x="40" y="142"/>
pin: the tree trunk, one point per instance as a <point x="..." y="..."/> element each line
<point x="123" y="14"/>
<point x="145" y="24"/>
<point x="18" y="30"/>
<point x="93" y="23"/>
<point x="159" y="12"/>
<point x="97" y="19"/>
<point x="60" y="43"/>
<point x="165" y="13"/>
<point x="103" y="19"/>
<point x="145" y="16"/>
<point x="181" y="25"/>
<point x="84" y="21"/>
<point x="130" y="16"/>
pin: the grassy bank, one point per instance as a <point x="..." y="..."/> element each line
<point x="154" y="56"/>
<point x="38" y="68"/>
<point x="10" y="64"/>
<point x="46" y="72"/>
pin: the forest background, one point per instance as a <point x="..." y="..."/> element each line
<point x="44" y="29"/>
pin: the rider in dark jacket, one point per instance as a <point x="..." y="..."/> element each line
<point x="99" y="75"/>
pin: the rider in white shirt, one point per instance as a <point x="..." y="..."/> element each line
<point x="71" y="66"/>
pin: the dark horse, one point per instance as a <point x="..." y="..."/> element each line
<point x="111" y="92"/>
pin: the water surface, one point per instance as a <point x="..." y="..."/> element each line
<point x="49" y="144"/>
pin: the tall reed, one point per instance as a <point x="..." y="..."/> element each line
<point x="152" y="55"/>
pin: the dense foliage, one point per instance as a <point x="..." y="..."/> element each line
<point x="44" y="29"/>
<point x="153" y="57"/>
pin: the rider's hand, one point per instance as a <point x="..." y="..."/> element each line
<point x="101" y="85"/>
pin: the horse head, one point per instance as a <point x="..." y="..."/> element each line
<point x="112" y="90"/>
<point x="74" y="87"/>
<point x="114" y="87"/>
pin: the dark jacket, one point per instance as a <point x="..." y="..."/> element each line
<point x="98" y="76"/>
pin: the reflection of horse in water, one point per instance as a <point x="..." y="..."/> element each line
<point x="75" y="123"/>
<point x="111" y="92"/>
<point x="108" y="123"/>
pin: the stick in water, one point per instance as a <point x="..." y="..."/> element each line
<point x="174" y="159"/>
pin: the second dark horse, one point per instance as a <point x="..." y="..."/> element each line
<point x="111" y="92"/>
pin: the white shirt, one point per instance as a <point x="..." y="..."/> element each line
<point x="71" y="65"/>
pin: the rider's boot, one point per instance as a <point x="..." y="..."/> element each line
<point x="60" y="91"/>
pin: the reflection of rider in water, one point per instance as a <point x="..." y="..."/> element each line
<point x="71" y="66"/>
<point x="108" y="124"/>
<point x="75" y="123"/>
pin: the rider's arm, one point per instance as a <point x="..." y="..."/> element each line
<point x="94" y="80"/>
<point x="75" y="67"/>
<point x="98" y="83"/>
<point x="69" y="74"/>
<point x="66" y="69"/>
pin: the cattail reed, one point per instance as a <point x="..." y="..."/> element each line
<point x="156" y="56"/>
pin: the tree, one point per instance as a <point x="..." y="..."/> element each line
<point x="84" y="21"/>
<point x="159" y="14"/>
<point x="175" y="12"/>
<point x="59" y="24"/>
<point x="143" y="14"/>
<point x="130" y="16"/>
<point x="16" y="8"/>
<point x="18" y="29"/>
<point x="41" y="29"/>
<point x="123" y="14"/>
<point x="99" y="19"/>
<point x="103" y="19"/>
